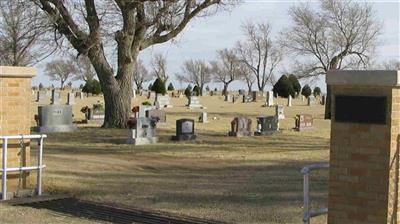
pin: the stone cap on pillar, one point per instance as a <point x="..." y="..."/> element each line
<point x="17" y="72"/>
<point x="363" y="77"/>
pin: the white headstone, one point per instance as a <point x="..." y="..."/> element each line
<point x="41" y="96"/>
<point x="162" y="101"/>
<point x="144" y="133"/>
<point x="270" y="99"/>
<point x="203" y="117"/>
<point x="289" y="102"/>
<point x="70" y="99"/>
<point x="279" y="112"/>
<point x="194" y="102"/>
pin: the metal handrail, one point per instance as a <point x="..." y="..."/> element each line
<point x="307" y="214"/>
<point x="4" y="170"/>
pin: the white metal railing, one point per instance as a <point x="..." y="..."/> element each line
<point x="4" y="169"/>
<point x="307" y="214"/>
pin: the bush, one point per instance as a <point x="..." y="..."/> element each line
<point x="306" y="91"/>
<point x="208" y="89"/>
<point x="40" y="86"/>
<point x="171" y="87"/>
<point x="284" y="87"/>
<point x="188" y="91"/>
<point x="146" y="103"/>
<point x="196" y="90"/>
<point x="317" y="91"/>
<point x="159" y="87"/>
<point x="92" y="86"/>
<point x="295" y="83"/>
<point x="150" y="87"/>
<point x="216" y="90"/>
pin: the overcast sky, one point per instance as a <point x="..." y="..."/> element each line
<point x="204" y="36"/>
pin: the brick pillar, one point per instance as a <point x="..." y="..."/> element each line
<point x="15" y="116"/>
<point x="364" y="161"/>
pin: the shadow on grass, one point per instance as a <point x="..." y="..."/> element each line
<point x="109" y="213"/>
<point x="189" y="186"/>
<point x="183" y="177"/>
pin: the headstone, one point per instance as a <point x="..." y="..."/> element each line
<point x="311" y="100"/>
<point x="184" y="130"/>
<point x="228" y="98"/>
<point x="79" y="95"/>
<point x="255" y="96"/>
<point x="41" y="96"/>
<point x="143" y="132"/>
<point x="143" y="93"/>
<point x="241" y="126"/>
<point x="270" y="99"/>
<point x="323" y="99"/>
<point x="203" y="117"/>
<point x="162" y="101"/>
<point x="55" y="97"/>
<point x="151" y="95"/>
<point x="289" y="102"/>
<point x="94" y="114"/>
<point x="159" y="115"/>
<point x="70" y="99"/>
<point x="143" y="110"/>
<point x="279" y="112"/>
<point x="134" y="94"/>
<point x="55" y="118"/>
<point x="303" y="98"/>
<point x="247" y="99"/>
<point x="303" y="122"/>
<point x="267" y="125"/>
<point x="194" y="102"/>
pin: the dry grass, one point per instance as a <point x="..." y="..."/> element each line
<point x="240" y="180"/>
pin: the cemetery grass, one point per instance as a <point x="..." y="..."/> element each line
<point x="237" y="180"/>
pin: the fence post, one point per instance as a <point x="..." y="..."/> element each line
<point x="306" y="207"/>
<point x="40" y="166"/>
<point x="4" y="167"/>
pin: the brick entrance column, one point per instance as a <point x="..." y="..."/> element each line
<point x="364" y="161"/>
<point x="15" y="116"/>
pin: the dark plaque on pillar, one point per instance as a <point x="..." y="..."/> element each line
<point x="360" y="109"/>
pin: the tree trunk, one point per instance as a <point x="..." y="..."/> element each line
<point x="225" y="90"/>
<point x="328" y="102"/>
<point x="249" y="88"/>
<point x="117" y="99"/>
<point x="201" y="89"/>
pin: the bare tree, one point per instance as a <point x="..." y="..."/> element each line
<point x="22" y="29"/>
<point x="196" y="72"/>
<point x="134" y="25"/>
<point x="226" y="68"/>
<point x="60" y="70"/>
<point x="141" y="75"/>
<point x="259" y="53"/>
<point x="246" y="74"/>
<point x="391" y="65"/>
<point x="84" y="69"/>
<point x="341" y="34"/>
<point x="159" y="64"/>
